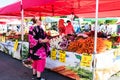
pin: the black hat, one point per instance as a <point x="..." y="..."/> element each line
<point x="34" y="20"/>
<point x="68" y="21"/>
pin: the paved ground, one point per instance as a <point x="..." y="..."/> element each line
<point x="12" y="69"/>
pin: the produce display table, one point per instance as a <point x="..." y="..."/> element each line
<point x="107" y="64"/>
<point x="71" y="64"/>
<point x="14" y="49"/>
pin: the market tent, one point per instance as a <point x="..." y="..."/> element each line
<point x="101" y="14"/>
<point x="66" y="7"/>
<point x="4" y="21"/>
<point x="1" y="22"/>
<point x="14" y="21"/>
<point x="81" y="8"/>
<point x="15" y="8"/>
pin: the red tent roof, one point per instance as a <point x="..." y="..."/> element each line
<point x="82" y="8"/>
<point x="15" y="8"/>
<point x="115" y="13"/>
<point x="2" y="22"/>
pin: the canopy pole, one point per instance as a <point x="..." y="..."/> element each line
<point x="95" y="39"/>
<point x="22" y="22"/>
<point x="22" y="28"/>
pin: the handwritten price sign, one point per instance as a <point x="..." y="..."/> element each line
<point x="86" y="60"/>
<point x="117" y="52"/>
<point x="62" y="56"/>
<point x="15" y="45"/>
<point x="3" y="38"/>
<point x="53" y="54"/>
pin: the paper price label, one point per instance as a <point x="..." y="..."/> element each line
<point x="86" y="60"/>
<point x="15" y="45"/>
<point x="62" y="56"/>
<point x="53" y="54"/>
<point x="117" y="52"/>
<point x="3" y="38"/>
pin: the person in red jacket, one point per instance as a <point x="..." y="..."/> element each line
<point x="69" y="28"/>
<point x="61" y="27"/>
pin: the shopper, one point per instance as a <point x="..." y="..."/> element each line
<point x="39" y="51"/>
<point x="31" y="39"/>
<point x="61" y="27"/>
<point x="86" y="27"/>
<point x="69" y="28"/>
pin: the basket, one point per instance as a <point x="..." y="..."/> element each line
<point x="27" y="63"/>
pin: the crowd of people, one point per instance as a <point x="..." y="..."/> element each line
<point x="68" y="29"/>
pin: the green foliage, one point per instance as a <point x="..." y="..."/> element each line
<point x="83" y="73"/>
<point x="110" y="21"/>
<point x="24" y="52"/>
<point x="63" y="16"/>
<point x="102" y="20"/>
<point x="116" y="75"/>
<point x="26" y="37"/>
<point x="78" y="56"/>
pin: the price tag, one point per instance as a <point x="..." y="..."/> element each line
<point x="117" y="52"/>
<point x="86" y="60"/>
<point x="15" y="45"/>
<point x="3" y="38"/>
<point x="53" y="54"/>
<point x="62" y="56"/>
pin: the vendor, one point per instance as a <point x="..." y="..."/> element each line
<point x="69" y="28"/>
<point x="61" y="27"/>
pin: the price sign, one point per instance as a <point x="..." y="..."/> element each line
<point x="62" y="56"/>
<point x="3" y="38"/>
<point x="15" y="45"/>
<point x="117" y="52"/>
<point x="86" y="60"/>
<point x="53" y="54"/>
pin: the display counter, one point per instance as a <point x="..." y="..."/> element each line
<point x="71" y="64"/>
<point x="79" y="66"/>
<point x="16" y="49"/>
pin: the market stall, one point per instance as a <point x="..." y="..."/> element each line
<point x="55" y="10"/>
<point x="15" y="49"/>
<point x="72" y="55"/>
